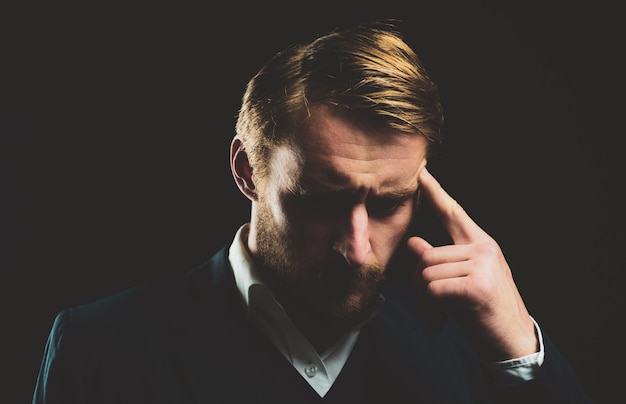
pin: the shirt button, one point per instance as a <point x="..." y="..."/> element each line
<point x="310" y="370"/>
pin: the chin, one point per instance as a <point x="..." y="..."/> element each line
<point x="355" y="308"/>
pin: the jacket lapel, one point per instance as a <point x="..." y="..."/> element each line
<point x="212" y="340"/>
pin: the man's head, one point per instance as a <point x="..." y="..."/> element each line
<point x="330" y="141"/>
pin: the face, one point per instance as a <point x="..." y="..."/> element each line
<point x="332" y="215"/>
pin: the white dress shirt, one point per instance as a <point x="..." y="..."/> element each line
<point x="321" y="371"/>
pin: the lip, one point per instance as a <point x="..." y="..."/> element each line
<point x="342" y="280"/>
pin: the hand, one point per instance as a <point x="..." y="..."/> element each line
<point x="473" y="280"/>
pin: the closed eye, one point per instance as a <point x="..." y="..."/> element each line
<point x="384" y="206"/>
<point x="334" y="204"/>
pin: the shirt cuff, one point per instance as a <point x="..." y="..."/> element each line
<point x="518" y="370"/>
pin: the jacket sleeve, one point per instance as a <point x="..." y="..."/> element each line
<point x="555" y="382"/>
<point x="53" y="382"/>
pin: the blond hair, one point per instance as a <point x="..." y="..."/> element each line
<point x="366" y="73"/>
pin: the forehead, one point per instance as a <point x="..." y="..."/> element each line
<point x="337" y="154"/>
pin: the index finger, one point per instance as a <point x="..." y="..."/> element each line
<point x="461" y="228"/>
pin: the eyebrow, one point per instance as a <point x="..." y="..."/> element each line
<point x="306" y="190"/>
<point x="333" y="182"/>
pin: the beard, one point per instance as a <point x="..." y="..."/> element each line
<point x="327" y="290"/>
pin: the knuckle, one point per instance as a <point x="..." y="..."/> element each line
<point x="426" y="256"/>
<point x="427" y="274"/>
<point x="454" y="211"/>
<point x="455" y="208"/>
<point x="432" y="289"/>
<point x="489" y="248"/>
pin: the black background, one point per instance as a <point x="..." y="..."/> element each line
<point x="115" y="123"/>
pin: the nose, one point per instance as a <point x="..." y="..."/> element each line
<point x="353" y="241"/>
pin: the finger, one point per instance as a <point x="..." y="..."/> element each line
<point x="429" y="308"/>
<point x="438" y="272"/>
<point x="446" y="253"/>
<point x="449" y="288"/>
<point x="418" y="245"/>
<point x="461" y="228"/>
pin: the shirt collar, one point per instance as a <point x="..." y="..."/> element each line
<point x="246" y="274"/>
<point x="245" y="271"/>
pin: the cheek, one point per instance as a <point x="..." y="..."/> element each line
<point x="276" y="207"/>
<point x="313" y="237"/>
<point x="309" y="234"/>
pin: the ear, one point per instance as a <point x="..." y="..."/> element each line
<point x="241" y="169"/>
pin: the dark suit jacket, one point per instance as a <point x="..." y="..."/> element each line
<point x="189" y="341"/>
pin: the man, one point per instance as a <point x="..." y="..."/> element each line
<point x="327" y="294"/>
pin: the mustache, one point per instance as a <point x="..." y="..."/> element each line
<point x="336" y="266"/>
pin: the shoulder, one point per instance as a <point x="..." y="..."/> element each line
<point x="147" y="306"/>
<point x="132" y="333"/>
